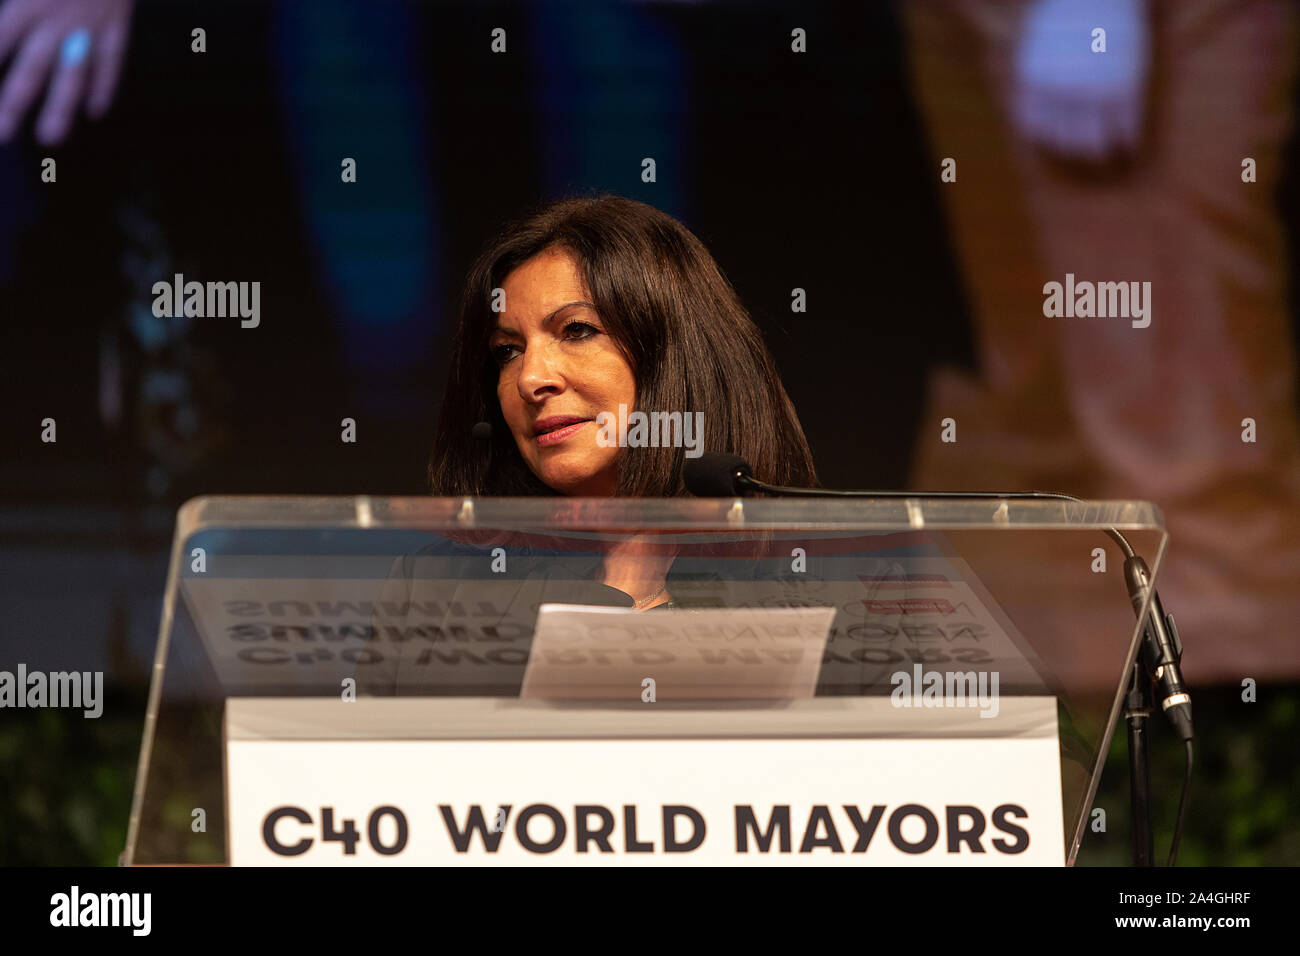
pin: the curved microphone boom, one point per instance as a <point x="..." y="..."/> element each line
<point x="719" y="475"/>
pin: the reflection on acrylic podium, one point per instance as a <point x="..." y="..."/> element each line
<point x="345" y="681"/>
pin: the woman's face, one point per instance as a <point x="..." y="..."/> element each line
<point x="559" y="368"/>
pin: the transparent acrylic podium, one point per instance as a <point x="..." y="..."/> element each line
<point x="368" y="624"/>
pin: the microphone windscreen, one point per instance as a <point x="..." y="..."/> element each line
<point x="713" y="474"/>
<point x="482" y="431"/>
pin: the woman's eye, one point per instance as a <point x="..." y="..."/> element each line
<point x="574" y="331"/>
<point x="579" y="330"/>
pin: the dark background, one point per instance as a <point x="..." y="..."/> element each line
<point x="795" y="173"/>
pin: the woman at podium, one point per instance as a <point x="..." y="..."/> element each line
<point x="598" y="347"/>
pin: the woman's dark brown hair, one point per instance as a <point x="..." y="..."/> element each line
<point x="691" y="345"/>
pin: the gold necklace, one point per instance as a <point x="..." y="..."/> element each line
<point x="637" y="605"/>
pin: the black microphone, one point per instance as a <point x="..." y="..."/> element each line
<point x="1162" y="650"/>
<point x="719" y="475"/>
<point x="482" y="431"/>
<point x="716" y="475"/>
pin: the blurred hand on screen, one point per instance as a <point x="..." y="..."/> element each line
<point x="1068" y="97"/>
<point x="75" y="47"/>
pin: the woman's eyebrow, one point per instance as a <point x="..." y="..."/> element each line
<point x="567" y="305"/>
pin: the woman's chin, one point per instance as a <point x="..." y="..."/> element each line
<point x="579" y="483"/>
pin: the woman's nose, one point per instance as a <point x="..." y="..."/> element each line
<point x="542" y="372"/>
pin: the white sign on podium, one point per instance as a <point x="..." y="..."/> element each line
<point x="482" y="781"/>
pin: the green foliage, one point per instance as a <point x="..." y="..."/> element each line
<point x="1244" y="788"/>
<point x="65" y="783"/>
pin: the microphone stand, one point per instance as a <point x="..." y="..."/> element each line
<point x="1139" y="701"/>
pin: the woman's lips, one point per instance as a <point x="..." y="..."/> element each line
<point x="559" y="434"/>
